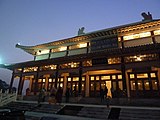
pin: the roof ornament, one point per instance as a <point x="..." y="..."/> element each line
<point x="146" y="16"/>
<point x="81" y="31"/>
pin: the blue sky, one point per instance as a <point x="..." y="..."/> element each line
<point x="32" y="22"/>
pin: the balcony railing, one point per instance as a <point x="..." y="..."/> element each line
<point x="7" y="97"/>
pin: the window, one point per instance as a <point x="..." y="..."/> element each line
<point x="77" y="46"/>
<point x="153" y="75"/>
<point x="133" y="85"/>
<point x="154" y="85"/>
<point x="143" y="75"/>
<point x="105" y="77"/>
<point x="136" y="36"/>
<point x="17" y="70"/>
<point x="131" y="75"/>
<point x="70" y="65"/>
<point x="75" y="78"/>
<point x="146" y="85"/>
<point x="114" y="60"/>
<point x="157" y="32"/>
<point x="92" y="78"/>
<point x="30" y="69"/>
<point x="140" y="85"/>
<point x="87" y="63"/>
<point x="138" y="58"/>
<point x="62" y="48"/>
<point x="48" y="67"/>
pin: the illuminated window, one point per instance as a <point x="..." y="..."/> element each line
<point x="92" y="87"/>
<point x="87" y="63"/>
<point x="40" y="52"/>
<point x="70" y="65"/>
<point x="44" y="80"/>
<point x="79" y="45"/>
<point x="131" y="75"/>
<point x="144" y="75"/>
<point x="83" y="78"/>
<point x="55" y="50"/>
<point x="119" y="76"/>
<point x="105" y="77"/>
<point x="69" y="79"/>
<point x="48" y="67"/>
<point x="138" y="35"/>
<point x="154" y="85"/>
<point x="97" y="77"/>
<point x="140" y="85"/>
<point x="50" y="80"/>
<point x="82" y="45"/>
<point x="61" y="84"/>
<point x="18" y="70"/>
<point x="92" y="78"/>
<point x="157" y="32"/>
<point x="133" y="87"/>
<point x="62" y="48"/>
<point x="146" y="85"/>
<point x="30" y="69"/>
<point x="113" y="77"/>
<point x="39" y="80"/>
<point x="138" y="58"/>
<point x="153" y="75"/>
<point x="60" y="79"/>
<point x="75" y="79"/>
<point x="73" y="64"/>
<point x="114" y="60"/>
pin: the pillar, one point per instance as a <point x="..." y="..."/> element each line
<point x="56" y="76"/>
<point x="80" y="79"/>
<point x="11" y="83"/>
<point x="123" y="73"/>
<point x="36" y="82"/>
<point x="87" y="85"/>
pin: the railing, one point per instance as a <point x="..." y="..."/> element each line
<point x="7" y="97"/>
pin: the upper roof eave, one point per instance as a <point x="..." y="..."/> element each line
<point x="33" y="49"/>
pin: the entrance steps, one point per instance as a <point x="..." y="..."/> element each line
<point x="85" y="111"/>
<point x="139" y="114"/>
<point x="94" y="112"/>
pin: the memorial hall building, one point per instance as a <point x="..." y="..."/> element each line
<point x="123" y="58"/>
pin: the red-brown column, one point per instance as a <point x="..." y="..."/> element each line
<point x="11" y="83"/>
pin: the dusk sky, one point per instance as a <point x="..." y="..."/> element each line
<point x="32" y="22"/>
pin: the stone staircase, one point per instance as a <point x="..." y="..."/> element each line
<point x="94" y="112"/>
<point x="86" y="111"/>
<point x="46" y="108"/>
<point x="19" y="106"/>
<point x="139" y="114"/>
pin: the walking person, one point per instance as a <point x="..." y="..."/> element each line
<point x="41" y="96"/>
<point x="59" y="95"/>
<point x="52" y="97"/>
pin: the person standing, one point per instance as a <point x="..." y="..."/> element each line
<point x="102" y="94"/>
<point x="59" y="95"/>
<point x="67" y="94"/>
<point x="105" y="92"/>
